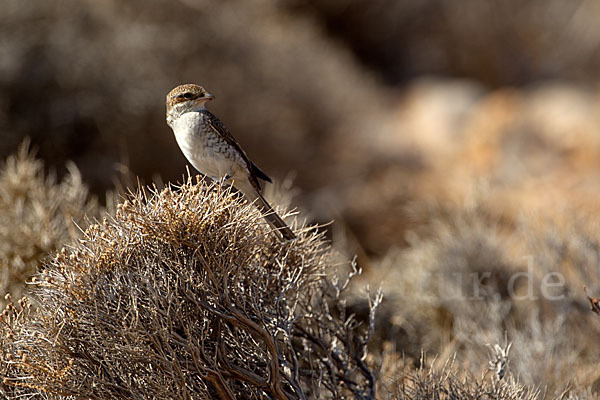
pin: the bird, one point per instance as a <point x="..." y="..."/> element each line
<point x="212" y="150"/>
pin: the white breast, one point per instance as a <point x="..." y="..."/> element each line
<point x="200" y="146"/>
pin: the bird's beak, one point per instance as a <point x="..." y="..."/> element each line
<point x="208" y="97"/>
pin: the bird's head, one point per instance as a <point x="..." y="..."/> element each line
<point x="186" y="98"/>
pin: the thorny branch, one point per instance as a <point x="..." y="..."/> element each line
<point x="186" y="292"/>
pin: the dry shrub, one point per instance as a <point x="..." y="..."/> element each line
<point x="536" y="149"/>
<point x="38" y="214"/>
<point x="187" y="293"/>
<point x="453" y="274"/>
<point x="402" y="378"/>
<point x="401" y="382"/>
<point x="454" y="291"/>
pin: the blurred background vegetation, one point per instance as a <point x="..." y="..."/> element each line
<point x="443" y="137"/>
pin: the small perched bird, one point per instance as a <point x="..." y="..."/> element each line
<point x="211" y="149"/>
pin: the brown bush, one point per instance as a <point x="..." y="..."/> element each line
<point x="453" y="291"/>
<point x="39" y="214"/>
<point x="186" y="293"/>
<point x="402" y="382"/>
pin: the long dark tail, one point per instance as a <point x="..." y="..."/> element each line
<point x="273" y="218"/>
<point x="253" y="194"/>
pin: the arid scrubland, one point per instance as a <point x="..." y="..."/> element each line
<point x="187" y="293"/>
<point x="503" y="233"/>
<point x="456" y="146"/>
<point x="39" y="215"/>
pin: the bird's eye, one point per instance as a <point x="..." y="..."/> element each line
<point x="187" y="95"/>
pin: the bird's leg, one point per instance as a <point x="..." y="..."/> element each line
<point x="226" y="182"/>
<point x="224" y="179"/>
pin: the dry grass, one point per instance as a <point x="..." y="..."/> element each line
<point x="186" y="293"/>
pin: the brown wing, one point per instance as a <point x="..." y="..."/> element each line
<point x="221" y="130"/>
